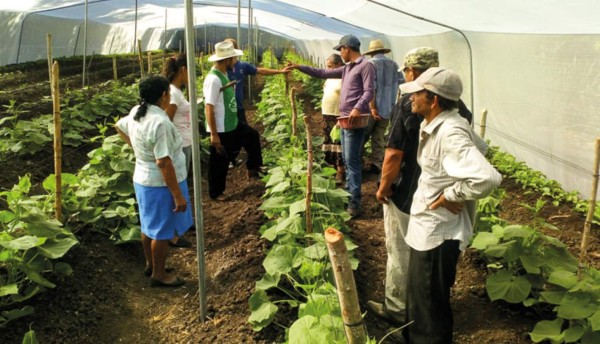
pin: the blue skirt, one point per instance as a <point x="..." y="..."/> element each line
<point x="157" y="218"/>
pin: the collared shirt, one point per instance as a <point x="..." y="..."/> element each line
<point x="451" y="158"/>
<point x="153" y="137"/>
<point x="387" y="79"/>
<point x="240" y="70"/>
<point x="357" y="84"/>
<point x="404" y="136"/>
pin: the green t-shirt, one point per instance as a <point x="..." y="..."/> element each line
<point x="225" y="107"/>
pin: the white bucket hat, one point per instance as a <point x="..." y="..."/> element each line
<point x="224" y="50"/>
<point x="441" y="81"/>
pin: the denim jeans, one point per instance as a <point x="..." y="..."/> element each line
<point x="352" y="142"/>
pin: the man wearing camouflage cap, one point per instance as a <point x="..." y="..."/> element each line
<point x="399" y="175"/>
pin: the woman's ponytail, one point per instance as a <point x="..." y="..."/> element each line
<point x="173" y="65"/>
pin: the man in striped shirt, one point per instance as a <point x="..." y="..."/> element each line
<point x="454" y="174"/>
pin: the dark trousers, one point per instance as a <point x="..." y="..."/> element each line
<point x="241" y="114"/>
<point x="431" y="274"/>
<point x="218" y="162"/>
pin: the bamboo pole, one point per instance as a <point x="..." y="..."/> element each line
<point x="202" y="63"/>
<point x="346" y="287"/>
<point x="592" y="208"/>
<point x="140" y="59"/>
<point x="309" y="149"/>
<point x="115" y="75"/>
<point x="57" y="141"/>
<point x="149" y="62"/>
<point x="49" y="56"/>
<point x="287" y="83"/>
<point x="483" y="123"/>
<point x="294" y="111"/>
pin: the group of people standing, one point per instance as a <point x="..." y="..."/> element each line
<point x="431" y="164"/>
<point x="432" y="171"/>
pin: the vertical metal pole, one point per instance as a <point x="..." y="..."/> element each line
<point x="189" y="44"/>
<point x="239" y="21"/>
<point x="85" y="20"/>
<point x="249" y="46"/>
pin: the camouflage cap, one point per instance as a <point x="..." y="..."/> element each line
<point x="422" y="58"/>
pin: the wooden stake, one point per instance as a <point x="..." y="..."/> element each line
<point x="483" y="123"/>
<point x="49" y="57"/>
<point x="346" y="287"/>
<point x="201" y="63"/>
<point x="115" y="75"/>
<point x="294" y="111"/>
<point x="287" y="83"/>
<point x="57" y="141"/>
<point x="149" y="62"/>
<point x="140" y="59"/>
<point x="592" y="208"/>
<point x="309" y="149"/>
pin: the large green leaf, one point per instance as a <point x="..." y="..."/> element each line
<point x="563" y="278"/>
<point x="17" y="313"/>
<point x="298" y="207"/>
<point x="283" y="259"/>
<point x="574" y="333"/>
<point x="30" y="338"/>
<point x="307" y="330"/>
<point x="63" y="269"/>
<point x="591" y="338"/>
<point x="595" y="321"/>
<point x="56" y="248"/>
<point x="268" y="281"/>
<point x="532" y="263"/>
<point x="483" y="240"/>
<point x="577" y="306"/>
<point x="502" y="285"/>
<point x="547" y="330"/>
<point x="6" y="216"/>
<point x="281" y="187"/>
<point x="274" y="203"/>
<point x="23" y="243"/>
<point x="10" y="289"/>
<point x="559" y="258"/>
<point x="262" y="310"/>
<point x="553" y="297"/>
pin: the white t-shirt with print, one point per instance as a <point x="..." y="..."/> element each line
<point x="214" y="96"/>
<point x="182" y="118"/>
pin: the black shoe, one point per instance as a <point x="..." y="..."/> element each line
<point x="354" y="212"/>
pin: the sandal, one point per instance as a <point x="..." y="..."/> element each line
<point x="178" y="282"/>
<point x="148" y="271"/>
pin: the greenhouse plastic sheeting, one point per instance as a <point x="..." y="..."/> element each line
<point x="532" y="62"/>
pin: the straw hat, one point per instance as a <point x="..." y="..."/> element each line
<point x="224" y="50"/>
<point x="376" y="46"/>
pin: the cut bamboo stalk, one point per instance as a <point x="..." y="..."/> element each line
<point x="346" y="287"/>
<point x="115" y="75"/>
<point x="201" y="63"/>
<point x="483" y="123"/>
<point x="592" y="208"/>
<point x="294" y="111"/>
<point x="57" y="141"/>
<point x="49" y="57"/>
<point x="287" y="83"/>
<point x="309" y="149"/>
<point x="149" y="62"/>
<point x="140" y="59"/>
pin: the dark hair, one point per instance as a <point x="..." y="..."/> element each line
<point x="444" y="103"/>
<point x="357" y="49"/>
<point x="173" y="65"/>
<point x="151" y="89"/>
<point x="336" y="59"/>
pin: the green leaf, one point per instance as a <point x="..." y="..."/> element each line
<point x="574" y="333"/>
<point x="502" y="285"/>
<point x="262" y="310"/>
<point x="559" y="258"/>
<point x="63" y="269"/>
<point x="274" y="203"/>
<point x="576" y="306"/>
<point x="30" y="338"/>
<point x="591" y="338"/>
<point x="281" y="187"/>
<point x="483" y="240"/>
<point x="23" y="243"/>
<point x="516" y="231"/>
<point x="268" y="281"/>
<point x="56" y="248"/>
<point x="595" y="321"/>
<point x="298" y="207"/>
<point x="316" y="251"/>
<point x="10" y="289"/>
<point x="307" y="330"/>
<point x="282" y="259"/>
<point x="553" y="297"/>
<point x="563" y="278"/>
<point x="129" y="234"/>
<point x="547" y="330"/>
<point x="532" y="263"/>
<point x="6" y="216"/>
<point x="17" y="313"/>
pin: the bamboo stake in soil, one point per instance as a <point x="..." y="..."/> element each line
<point x="294" y="111"/>
<point x="309" y="149"/>
<point x="346" y="287"/>
<point x="115" y="76"/>
<point x="140" y="59"/>
<point x="483" y="123"/>
<point x="590" y="215"/>
<point x="149" y="62"/>
<point x="57" y="141"/>
<point x="49" y="55"/>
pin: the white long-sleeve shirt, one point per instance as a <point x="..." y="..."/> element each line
<point x="451" y="158"/>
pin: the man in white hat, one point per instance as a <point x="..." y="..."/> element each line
<point x="454" y="174"/>
<point x="227" y="133"/>
<point x="387" y="79"/>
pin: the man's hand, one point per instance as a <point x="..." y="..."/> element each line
<point x="383" y="195"/>
<point x="453" y="207"/>
<point x="375" y="114"/>
<point x="215" y="141"/>
<point x="290" y="67"/>
<point x="354" y="116"/>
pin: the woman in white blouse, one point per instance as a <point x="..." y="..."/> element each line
<point x="159" y="177"/>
